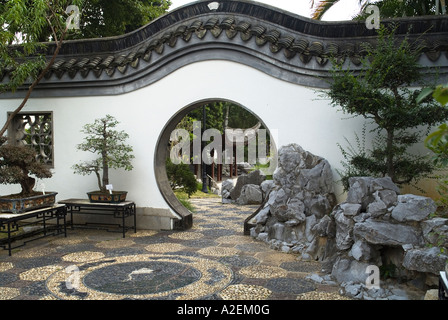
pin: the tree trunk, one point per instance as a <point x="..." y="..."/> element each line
<point x="98" y="177"/>
<point x="105" y="175"/>
<point x="390" y="154"/>
<point x="105" y="160"/>
<point x="27" y="186"/>
<point x="226" y="119"/>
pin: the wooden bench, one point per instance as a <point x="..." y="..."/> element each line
<point x="10" y="224"/>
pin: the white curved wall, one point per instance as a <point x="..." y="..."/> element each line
<point x="298" y="113"/>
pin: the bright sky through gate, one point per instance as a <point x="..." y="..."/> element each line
<point x="343" y="10"/>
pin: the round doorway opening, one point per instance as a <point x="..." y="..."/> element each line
<point x="203" y="151"/>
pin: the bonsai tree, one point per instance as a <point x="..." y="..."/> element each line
<point x="17" y="163"/>
<point x="380" y="94"/>
<point x="109" y="145"/>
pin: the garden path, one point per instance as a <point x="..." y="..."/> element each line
<point x="213" y="260"/>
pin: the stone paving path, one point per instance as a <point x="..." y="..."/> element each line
<point x="213" y="260"/>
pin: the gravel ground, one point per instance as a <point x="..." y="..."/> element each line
<point x="213" y="260"/>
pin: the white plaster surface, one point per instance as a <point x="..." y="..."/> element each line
<point x="299" y="114"/>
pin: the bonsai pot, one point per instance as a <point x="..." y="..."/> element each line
<point x="17" y="204"/>
<point x="107" y="197"/>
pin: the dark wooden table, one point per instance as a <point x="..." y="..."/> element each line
<point x="12" y="222"/>
<point x="120" y="210"/>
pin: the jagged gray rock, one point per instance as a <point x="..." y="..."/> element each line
<point x="299" y="203"/>
<point x="386" y="233"/>
<point x="226" y="187"/>
<point x="413" y="208"/>
<point x="425" y="260"/>
<point x="250" y="194"/>
<point x="255" y="177"/>
<point x="435" y="231"/>
<point x="374" y="227"/>
<point x="377" y="226"/>
<point x="247" y="189"/>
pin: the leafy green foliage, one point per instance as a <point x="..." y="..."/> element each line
<point x="442" y="189"/>
<point x="216" y="113"/>
<point x="441" y="94"/>
<point x="29" y="26"/>
<point x="181" y="177"/>
<point x="359" y="161"/>
<point x="17" y="163"/>
<point x="388" y="8"/>
<point x="24" y="25"/>
<point x="108" y="144"/>
<point x="105" y="18"/>
<point x="184" y="199"/>
<point x="379" y="92"/>
<point x="437" y="141"/>
<point x="388" y="270"/>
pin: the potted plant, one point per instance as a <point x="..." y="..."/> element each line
<point x="17" y="163"/>
<point x="108" y="144"/>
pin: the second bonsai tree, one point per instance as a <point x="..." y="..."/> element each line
<point x="109" y="144"/>
<point x="18" y="165"/>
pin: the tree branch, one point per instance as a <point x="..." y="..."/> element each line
<point x="38" y="79"/>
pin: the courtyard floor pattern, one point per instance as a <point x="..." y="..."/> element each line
<point x="213" y="260"/>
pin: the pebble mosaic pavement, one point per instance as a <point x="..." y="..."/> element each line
<point x="213" y="260"/>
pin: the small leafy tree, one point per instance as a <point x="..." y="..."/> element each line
<point x="109" y="145"/>
<point x="380" y="93"/>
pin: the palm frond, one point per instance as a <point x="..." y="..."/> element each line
<point x="322" y="8"/>
<point x="326" y="5"/>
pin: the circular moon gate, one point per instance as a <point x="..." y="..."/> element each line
<point x="141" y="277"/>
<point x="162" y="153"/>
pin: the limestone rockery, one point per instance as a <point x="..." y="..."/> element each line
<point x="374" y="226"/>
<point x="296" y="214"/>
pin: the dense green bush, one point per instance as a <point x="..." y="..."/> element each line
<point x="181" y="177"/>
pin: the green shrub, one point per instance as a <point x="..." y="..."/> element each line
<point x="181" y="177"/>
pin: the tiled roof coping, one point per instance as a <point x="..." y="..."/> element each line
<point x="242" y="31"/>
